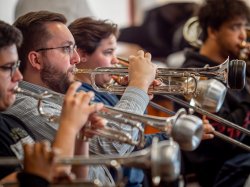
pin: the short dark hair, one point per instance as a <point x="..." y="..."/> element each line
<point x="215" y="12"/>
<point x="34" y="30"/>
<point x="9" y="35"/>
<point x="89" y="32"/>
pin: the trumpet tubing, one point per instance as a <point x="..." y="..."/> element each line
<point x="176" y="80"/>
<point x="163" y="158"/>
<point x="173" y="126"/>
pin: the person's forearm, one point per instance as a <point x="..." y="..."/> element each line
<point x="10" y="178"/>
<point x="81" y="148"/>
<point x="133" y="100"/>
<point x="65" y="142"/>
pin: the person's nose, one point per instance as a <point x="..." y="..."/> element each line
<point x="17" y="76"/>
<point x="114" y="60"/>
<point x="243" y="34"/>
<point x="75" y="58"/>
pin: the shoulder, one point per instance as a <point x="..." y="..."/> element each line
<point x="195" y="60"/>
<point x="11" y="127"/>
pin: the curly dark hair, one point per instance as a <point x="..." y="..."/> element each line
<point x="35" y="33"/>
<point x="215" y="12"/>
<point x="9" y="35"/>
<point x="89" y="32"/>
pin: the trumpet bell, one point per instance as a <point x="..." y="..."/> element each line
<point x="187" y="131"/>
<point x="211" y="95"/>
<point x="165" y="160"/>
<point x="237" y="74"/>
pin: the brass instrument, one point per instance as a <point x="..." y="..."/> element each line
<point x="192" y="32"/>
<point x="162" y="158"/>
<point x="211" y="116"/>
<point x="185" y="129"/>
<point x="176" y="80"/>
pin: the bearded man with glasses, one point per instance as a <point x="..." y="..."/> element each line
<point x="48" y="56"/>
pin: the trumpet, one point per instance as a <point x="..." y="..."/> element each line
<point x="176" y="80"/>
<point x="162" y="158"/>
<point x="185" y="129"/>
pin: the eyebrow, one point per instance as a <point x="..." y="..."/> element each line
<point x="68" y="43"/>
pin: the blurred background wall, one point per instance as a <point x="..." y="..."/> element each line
<point x="123" y="12"/>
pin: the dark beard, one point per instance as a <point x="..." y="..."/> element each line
<point x="55" y="80"/>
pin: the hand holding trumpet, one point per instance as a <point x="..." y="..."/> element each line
<point x="141" y="70"/>
<point x="77" y="111"/>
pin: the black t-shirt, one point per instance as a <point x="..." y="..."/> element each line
<point x="13" y="134"/>
<point x="208" y="158"/>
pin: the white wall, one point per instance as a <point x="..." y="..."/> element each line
<point x="115" y="10"/>
<point x="7" y="10"/>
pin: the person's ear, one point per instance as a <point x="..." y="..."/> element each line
<point x="83" y="55"/>
<point x="212" y="33"/>
<point x="35" y="60"/>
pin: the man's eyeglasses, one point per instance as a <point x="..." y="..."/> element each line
<point x="11" y="67"/>
<point x="68" y="49"/>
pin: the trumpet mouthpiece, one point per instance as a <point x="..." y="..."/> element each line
<point x="243" y="44"/>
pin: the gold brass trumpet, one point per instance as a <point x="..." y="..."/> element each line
<point x="185" y="129"/>
<point x="162" y="158"/>
<point x="176" y="80"/>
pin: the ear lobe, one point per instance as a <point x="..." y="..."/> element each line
<point x="83" y="55"/>
<point x="34" y="60"/>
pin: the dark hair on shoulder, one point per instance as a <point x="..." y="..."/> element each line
<point x="34" y="30"/>
<point x="9" y="35"/>
<point x="89" y="32"/>
<point x="215" y="12"/>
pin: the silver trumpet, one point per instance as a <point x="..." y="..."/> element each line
<point x="162" y="158"/>
<point x="185" y="129"/>
<point x="175" y="80"/>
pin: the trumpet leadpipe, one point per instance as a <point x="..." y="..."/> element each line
<point x="176" y="80"/>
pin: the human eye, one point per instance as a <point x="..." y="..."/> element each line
<point x="236" y="27"/>
<point x="7" y="67"/>
<point x="108" y="52"/>
<point x="67" y="49"/>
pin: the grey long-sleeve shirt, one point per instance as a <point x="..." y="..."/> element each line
<point x="25" y="108"/>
